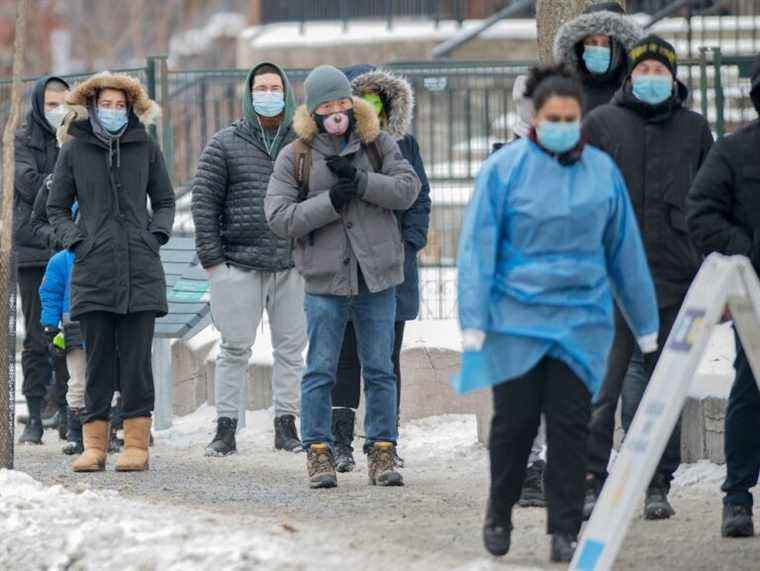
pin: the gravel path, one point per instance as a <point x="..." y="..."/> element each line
<point x="431" y="523"/>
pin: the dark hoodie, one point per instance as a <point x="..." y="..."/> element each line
<point x="36" y="151"/>
<point x="608" y="19"/>
<point x="659" y="150"/>
<point x="398" y="103"/>
<point x="229" y="188"/>
<point x="723" y="206"/>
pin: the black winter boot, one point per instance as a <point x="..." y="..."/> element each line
<point x="532" y="495"/>
<point x="737" y="521"/>
<point x="223" y="443"/>
<point x="656" y="504"/>
<point x="33" y="430"/>
<point x="286" y="435"/>
<point x="497" y="531"/>
<point x="563" y="547"/>
<point x="593" y="489"/>
<point x="343" y="420"/>
<point x="74" y="443"/>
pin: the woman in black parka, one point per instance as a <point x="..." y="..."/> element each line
<point x="111" y="166"/>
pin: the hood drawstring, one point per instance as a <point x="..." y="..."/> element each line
<point x="110" y="152"/>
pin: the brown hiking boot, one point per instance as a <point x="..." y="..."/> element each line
<point x="134" y="458"/>
<point x="95" y="439"/>
<point x="382" y="465"/>
<point x="321" y="466"/>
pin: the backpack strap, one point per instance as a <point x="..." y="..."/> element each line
<point x="375" y="155"/>
<point x="302" y="167"/>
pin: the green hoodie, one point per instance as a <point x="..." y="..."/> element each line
<point x="290" y="106"/>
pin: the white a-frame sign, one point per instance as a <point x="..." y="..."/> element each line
<point x="721" y="281"/>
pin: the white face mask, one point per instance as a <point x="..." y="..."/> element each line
<point x="55" y="117"/>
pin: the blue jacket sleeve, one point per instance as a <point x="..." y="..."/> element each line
<point x="478" y="249"/>
<point x="53" y="291"/>
<point x="416" y="220"/>
<point x="627" y="265"/>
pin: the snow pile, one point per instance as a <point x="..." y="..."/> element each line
<point x="53" y="528"/>
<point x="703" y="474"/>
<point x="220" y="25"/>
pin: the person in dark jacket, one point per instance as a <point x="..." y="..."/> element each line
<point x="723" y="213"/>
<point x="250" y="268"/>
<point x="659" y="146"/>
<point x="36" y="151"/>
<point x="111" y="167"/>
<point x="595" y="45"/>
<point x="393" y="100"/>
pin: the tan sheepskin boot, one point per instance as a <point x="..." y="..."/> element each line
<point x="134" y="458"/>
<point x="95" y="439"/>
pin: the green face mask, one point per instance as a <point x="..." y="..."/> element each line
<point x="374" y="100"/>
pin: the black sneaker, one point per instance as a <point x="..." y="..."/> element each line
<point x="32" y="432"/>
<point x="343" y="420"/>
<point x="656" y="504"/>
<point x="593" y="489"/>
<point x="223" y="443"/>
<point x="286" y="435"/>
<point x="737" y="521"/>
<point x="115" y="443"/>
<point x="532" y="495"/>
<point x="74" y="435"/>
<point x="497" y="532"/>
<point x="563" y="547"/>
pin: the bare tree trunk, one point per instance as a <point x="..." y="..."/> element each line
<point x="550" y="15"/>
<point x="7" y="329"/>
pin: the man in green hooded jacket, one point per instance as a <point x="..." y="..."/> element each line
<point x="250" y="269"/>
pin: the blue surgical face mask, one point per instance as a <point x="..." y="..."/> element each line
<point x="652" y="89"/>
<point x="55" y="116"/>
<point x="597" y="59"/>
<point x="112" y="119"/>
<point x="268" y="103"/>
<point x="558" y="137"/>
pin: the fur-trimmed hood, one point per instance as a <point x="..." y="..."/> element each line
<point x="620" y="27"/>
<point x="367" y="124"/>
<point x="395" y="91"/>
<point x="146" y="110"/>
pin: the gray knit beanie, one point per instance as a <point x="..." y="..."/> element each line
<point x="325" y="83"/>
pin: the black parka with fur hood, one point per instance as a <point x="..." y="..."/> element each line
<point x="608" y="19"/>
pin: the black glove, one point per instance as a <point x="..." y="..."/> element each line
<point x="342" y="193"/>
<point x="51" y="332"/>
<point x="160" y="237"/>
<point x="342" y="167"/>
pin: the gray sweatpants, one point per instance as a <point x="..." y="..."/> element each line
<point x="238" y="301"/>
<point x="76" y="363"/>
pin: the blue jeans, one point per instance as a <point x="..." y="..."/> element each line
<point x="373" y="316"/>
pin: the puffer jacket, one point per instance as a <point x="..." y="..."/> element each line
<point x="55" y="297"/>
<point x="608" y="19"/>
<point x="229" y="190"/>
<point x="723" y="206"/>
<point x="398" y="102"/>
<point x="330" y="245"/>
<point x="659" y="150"/>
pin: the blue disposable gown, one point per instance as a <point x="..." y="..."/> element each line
<point x="542" y="248"/>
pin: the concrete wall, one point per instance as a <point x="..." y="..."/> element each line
<point x="426" y="391"/>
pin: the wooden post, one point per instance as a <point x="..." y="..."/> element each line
<point x="7" y="329"/>
<point x="550" y="15"/>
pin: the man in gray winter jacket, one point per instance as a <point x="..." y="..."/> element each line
<point x="250" y="269"/>
<point x="350" y="251"/>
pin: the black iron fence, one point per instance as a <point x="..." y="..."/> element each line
<point x="462" y="108"/>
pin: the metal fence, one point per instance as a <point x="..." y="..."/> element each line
<point x="462" y="108"/>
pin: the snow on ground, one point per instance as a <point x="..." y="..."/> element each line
<point x="702" y="474"/>
<point x="54" y="528"/>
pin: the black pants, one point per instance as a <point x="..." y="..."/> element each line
<point x="118" y="354"/>
<point x="603" y="415"/>
<point x="742" y="433"/>
<point x="553" y="389"/>
<point x="35" y="358"/>
<point x="60" y="381"/>
<point x="347" y="390"/>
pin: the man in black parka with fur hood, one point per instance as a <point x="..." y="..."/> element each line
<point x="723" y="210"/>
<point x="601" y="25"/>
<point x="111" y="167"/>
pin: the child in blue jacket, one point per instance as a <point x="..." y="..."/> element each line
<point x="55" y="298"/>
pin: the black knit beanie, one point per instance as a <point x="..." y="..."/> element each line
<point x="653" y="47"/>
